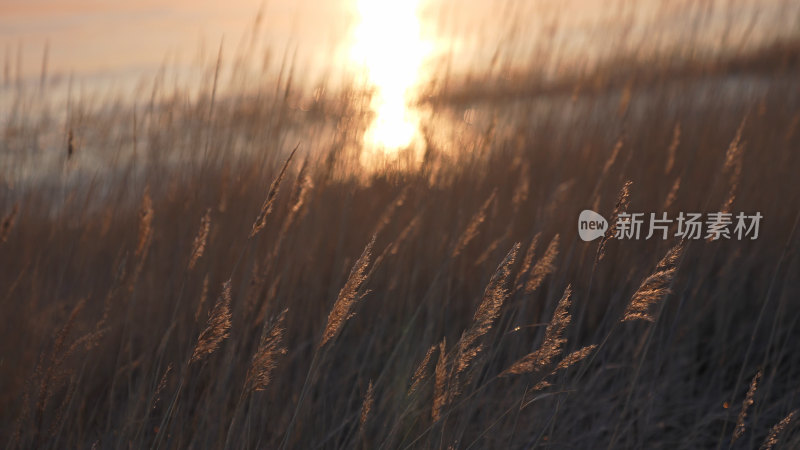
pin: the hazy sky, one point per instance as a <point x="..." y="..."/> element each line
<point x="116" y="37"/>
<point x="95" y="36"/>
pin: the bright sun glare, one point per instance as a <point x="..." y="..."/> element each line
<point x="390" y="50"/>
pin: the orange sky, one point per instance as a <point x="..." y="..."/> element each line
<point x="90" y="36"/>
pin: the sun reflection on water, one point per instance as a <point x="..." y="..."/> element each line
<point x="389" y="48"/>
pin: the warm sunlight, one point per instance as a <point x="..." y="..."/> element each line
<point x="390" y="50"/>
<point x="399" y="224"/>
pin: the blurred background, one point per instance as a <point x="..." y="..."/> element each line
<point x="117" y="39"/>
<point x="448" y="62"/>
<point x="450" y="143"/>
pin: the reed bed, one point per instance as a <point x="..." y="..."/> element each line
<point x="444" y="303"/>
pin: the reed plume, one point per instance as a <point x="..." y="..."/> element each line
<point x="348" y="297"/>
<point x="217" y="327"/>
<point x="543" y="267"/>
<point x="407" y="233"/>
<point x="300" y="192"/>
<point x="522" y="189"/>
<point x="421" y="372"/>
<point x="160" y="388"/>
<point x="553" y="340"/>
<point x="733" y="166"/>
<point x="58" y="355"/>
<point x="672" y="149"/>
<point x="604" y="174"/>
<point x="145" y="224"/>
<point x="440" y="395"/>
<point x="202" y="301"/>
<point x="366" y="406"/>
<point x="672" y="195"/>
<point x="654" y="288"/>
<point x="733" y="156"/>
<point x="748" y="401"/>
<point x="145" y="238"/>
<point x="576" y="357"/>
<point x="474" y="225"/>
<point x="489" y="250"/>
<point x="559" y="198"/>
<point x="201" y="239"/>
<point x="527" y="261"/>
<point x="266" y="208"/>
<point x="265" y="359"/>
<point x="623" y="201"/>
<point x="614" y="154"/>
<point x="390" y="210"/>
<point x="776" y="430"/>
<point x="494" y="296"/>
<point x="568" y="361"/>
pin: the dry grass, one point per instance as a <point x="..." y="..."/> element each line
<point x="107" y="275"/>
<point x="553" y="340"/>
<point x="217" y="327"/>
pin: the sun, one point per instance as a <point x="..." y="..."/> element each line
<point x="389" y="50"/>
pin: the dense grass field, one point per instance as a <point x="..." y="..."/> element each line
<point x="208" y="271"/>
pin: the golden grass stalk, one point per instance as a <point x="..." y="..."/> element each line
<point x="202" y="302"/>
<point x="733" y="156"/>
<point x="255" y="288"/>
<point x="489" y="250"/>
<point x="145" y="223"/>
<point x="264" y="296"/>
<point x="160" y="388"/>
<point x="348" y="296"/>
<point x="623" y="201"/>
<point x="266" y="208"/>
<point x="522" y="190"/>
<point x="408" y="231"/>
<point x="748" y="401"/>
<point x="440" y="382"/>
<point x="146" y="214"/>
<point x="568" y="361"/>
<point x="654" y="288"/>
<point x="576" y="357"/>
<point x="421" y="372"/>
<point x="673" y="147"/>
<point x="393" y="247"/>
<point x="606" y="167"/>
<point x="390" y="210"/>
<point x="201" y="239"/>
<point x="774" y="433"/>
<point x="366" y="406"/>
<point x="614" y="154"/>
<point x="300" y="192"/>
<point x="527" y="261"/>
<point x="733" y="166"/>
<point x="59" y="354"/>
<point x="217" y="327"/>
<point x="672" y="195"/>
<point x="559" y="198"/>
<point x="553" y="340"/>
<point x="474" y="225"/>
<point x="489" y="309"/>
<point x="544" y="266"/>
<point x="540" y="385"/>
<point x="265" y="359"/>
